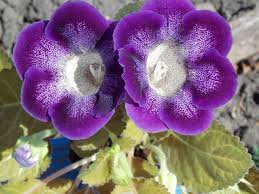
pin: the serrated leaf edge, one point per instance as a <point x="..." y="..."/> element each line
<point x="244" y="148"/>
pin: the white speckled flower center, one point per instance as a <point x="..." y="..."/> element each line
<point x="85" y="73"/>
<point x="165" y="69"/>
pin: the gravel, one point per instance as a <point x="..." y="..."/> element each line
<point x="15" y="14"/>
<point x="230" y="9"/>
<point x="241" y="114"/>
<point x="246" y="35"/>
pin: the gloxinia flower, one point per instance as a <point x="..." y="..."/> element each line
<point x="24" y="157"/>
<point x="175" y="67"/>
<point x="70" y="72"/>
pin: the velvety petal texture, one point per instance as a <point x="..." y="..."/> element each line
<point x="73" y="117"/>
<point x="78" y="24"/>
<point x="214" y="81"/>
<point x="40" y="90"/>
<point x="145" y="118"/>
<point x="204" y="30"/>
<point x="182" y="116"/>
<point x="111" y="92"/>
<point x="133" y="74"/>
<point x="176" y="73"/>
<point x="33" y="49"/>
<point x="70" y="71"/>
<point x="140" y="30"/>
<point x="172" y="11"/>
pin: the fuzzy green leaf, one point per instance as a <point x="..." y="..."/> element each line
<point x="131" y="137"/>
<point x="11" y="112"/>
<point x="5" y="60"/>
<point x="34" y="186"/>
<point x="131" y="7"/>
<point x="84" y="148"/>
<point x="142" y="168"/>
<point x="164" y="177"/>
<point x="141" y="186"/>
<point x="121" y="171"/>
<point x="158" y="137"/>
<point x="207" y="162"/>
<point x="58" y="186"/>
<point x="119" y="121"/>
<point x="99" y="172"/>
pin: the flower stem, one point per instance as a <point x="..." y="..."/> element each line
<point x="69" y="168"/>
<point x="77" y="181"/>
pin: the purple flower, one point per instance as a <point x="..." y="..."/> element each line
<point x="23" y="156"/>
<point x="70" y="71"/>
<point x="175" y="67"/>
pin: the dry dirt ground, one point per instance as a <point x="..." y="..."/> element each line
<point x="240" y="115"/>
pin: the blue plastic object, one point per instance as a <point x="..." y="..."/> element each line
<point x="60" y="158"/>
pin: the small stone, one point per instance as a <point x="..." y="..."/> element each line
<point x="231" y="9"/>
<point x="246" y="36"/>
<point x="9" y="15"/>
<point x="1" y="30"/>
<point x="206" y="6"/>
<point x="241" y="114"/>
<point x="44" y="8"/>
<point x="2" y="5"/>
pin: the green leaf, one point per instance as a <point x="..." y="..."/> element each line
<point x="131" y="7"/>
<point x="164" y="177"/>
<point x="131" y="137"/>
<point x="86" y="148"/>
<point x="141" y="186"/>
<point x="207" y="162"/>
<point x="121" y="171"/>
<point x="34" y="186"/>
<point x="11" y="112"/>
<point x="142" y="168"/>
<point x="104" y="189"/>
<point x="5" y="60"/>
<point x="58" y="186"/>
<point x="99" y="172"/>
<point x="12" y="171"/>
<point x="119" y="121"/>
<point x="158" y="137"/>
